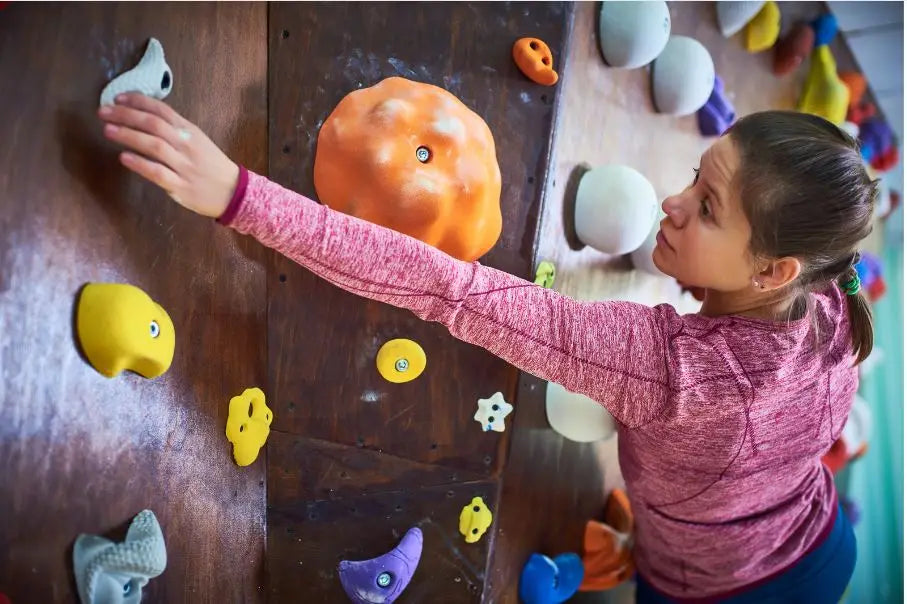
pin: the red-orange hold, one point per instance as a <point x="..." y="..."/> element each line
<point x="534" y="59"/>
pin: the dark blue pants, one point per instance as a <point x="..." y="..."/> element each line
<point x="819" y="578"/>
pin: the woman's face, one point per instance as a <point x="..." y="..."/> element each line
<point x="704" y="240"/>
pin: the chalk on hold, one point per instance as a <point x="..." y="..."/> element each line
<point x="151" y="77"/>
<point x="400" y="361"/>
<point x="535" y="60"/>
<point x="381" y="580"/>
<point x="475" y="519"/>
<point x="492" y="411"/>
<point x="550" y="581"/>
<point x="114" y="573"/>
<point x="121" y="328"/>
<point x="248" y="425"/>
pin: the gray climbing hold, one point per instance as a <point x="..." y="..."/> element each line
<point x="151" y="77"/>
<point x="114" y="573"/>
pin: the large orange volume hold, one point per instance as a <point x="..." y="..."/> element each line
<point x="412" y="157"/>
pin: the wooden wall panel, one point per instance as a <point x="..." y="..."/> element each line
<point x="79" y="452"/>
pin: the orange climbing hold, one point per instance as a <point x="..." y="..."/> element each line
<point x="534" y="59"/>
<point x="607" y="557"/>
<point x="412" y="157"/>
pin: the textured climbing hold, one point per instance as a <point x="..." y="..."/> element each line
<point x="793" y="49"/>
<point x="550" y="581"/>
<point x="381" y="580"/>
<point x="475" y="519"/>
<point x="734" y="15"/>
<point x="111" y="573"/>
<point x="151" y="77"/>
<point x="642" y="256"/>
<point x="576" y="416"/>
<point x="824" y="94"/>
<point x="717" y="115"/>
<point x="826" y="28"/>
<point x="615" y="208"/>
<point x="607" y="546"/>
<point x="683" y="76"/>
<point x="400" y="361"/>
<point x="248" y="425"/>
<point x="545" y="273"/>
<point x="492" y="411"/>
<point x="632" y="34"/>
<point x="120" y="327"/>
<point x="534" y="59"/>
<point x="762" y="31"/>
<point x="856" y="86"/>
<point x="413" y="158"/>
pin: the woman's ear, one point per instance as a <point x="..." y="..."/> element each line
<point x="780" y="272"/>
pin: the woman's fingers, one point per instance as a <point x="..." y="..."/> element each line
<point x="159" y="174"/>
<point x="150" y="146"/>
<point x="143" y="121"/>
<point x="150" y="105"/>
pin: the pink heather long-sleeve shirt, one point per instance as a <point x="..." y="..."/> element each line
<point x="721" y="420"/>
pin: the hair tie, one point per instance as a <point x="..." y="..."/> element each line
<point x="852" y="286"/>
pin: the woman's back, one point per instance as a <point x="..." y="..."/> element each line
<point x="726" y="480"/>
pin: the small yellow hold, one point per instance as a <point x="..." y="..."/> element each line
<point x="475" y="520"/>
<point x="544" y="274"/>
<point x="762" y="31"/>
<point x="248" y="425"/>
<point x="400" y="361"/>
<point x="120" y="327"/>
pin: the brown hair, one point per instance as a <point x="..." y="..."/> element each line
<point x="807" y="195"/>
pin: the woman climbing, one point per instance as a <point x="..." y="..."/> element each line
<point x="723" y="415"/>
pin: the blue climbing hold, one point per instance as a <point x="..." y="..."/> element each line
<point x="826" y="28"/>
<point x="547" y="581"/>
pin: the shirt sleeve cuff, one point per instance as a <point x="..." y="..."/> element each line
<point x="238" y="195"/>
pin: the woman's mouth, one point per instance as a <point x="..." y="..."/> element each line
<point x="662" y="240"/>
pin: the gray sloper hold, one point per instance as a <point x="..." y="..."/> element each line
<point x="151" y="77"/>
<point x="114" y="573"/>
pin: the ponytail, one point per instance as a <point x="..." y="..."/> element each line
<point x="861" y="330"/>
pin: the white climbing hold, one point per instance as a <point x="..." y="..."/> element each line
<point x="151" y="77"/>
<point x="492" y="411"/>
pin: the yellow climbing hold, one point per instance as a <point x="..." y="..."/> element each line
<point x="762" y="32"/>
<point x="400" y="361"/>
<point x="120" y="327"/>
<point x="248" y="425"/>
<point x="475" y="520"/>
<point x="544" y="274"/>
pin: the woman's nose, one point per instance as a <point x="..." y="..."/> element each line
<point x="673" y="207"/>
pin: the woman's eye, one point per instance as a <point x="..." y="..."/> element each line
<point x="704" y="208"/>
<point x="695" y="175"/>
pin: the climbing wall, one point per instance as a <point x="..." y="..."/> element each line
<point x="354" y="461"/>
<point x="80" y="452"/>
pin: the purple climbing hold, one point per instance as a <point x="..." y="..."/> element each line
<point x="381" y="580"/>
<point x="875" y="138"/>
<point x="717" y="115"/>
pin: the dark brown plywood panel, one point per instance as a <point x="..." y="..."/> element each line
<point x="79" y="452"/>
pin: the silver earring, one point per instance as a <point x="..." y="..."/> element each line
<point x="758" y="284"/>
